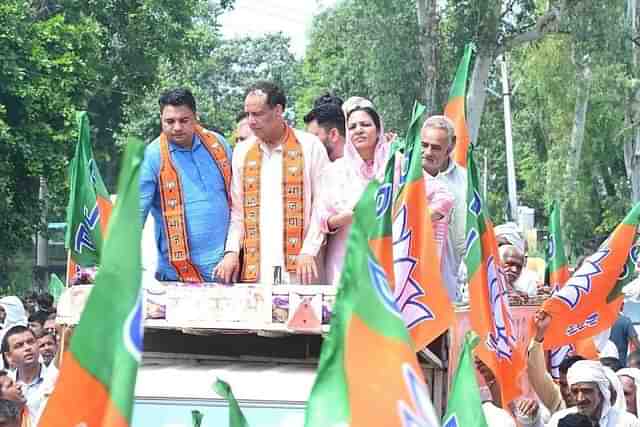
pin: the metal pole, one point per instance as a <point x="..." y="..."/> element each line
<point x="42" y="242"/>
<point x="511" y="168"/>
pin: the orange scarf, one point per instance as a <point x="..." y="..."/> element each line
<point x="292" y="201"/>
<point x="172" y="202"/>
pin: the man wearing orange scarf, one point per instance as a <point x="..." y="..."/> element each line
<point x="184" y="184"/>
<point x="276" y="179"/>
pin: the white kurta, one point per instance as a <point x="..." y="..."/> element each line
<point x="271" y="208"/>
<point x="613" y="418"/>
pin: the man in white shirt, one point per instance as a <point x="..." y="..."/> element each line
<point x="438" y="141"/>
<point x="590" y="388"/>
<point x="36" y="381"/>
<point x="276" y="180"/>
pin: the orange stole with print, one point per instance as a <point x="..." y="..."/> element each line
<point x="292" y="201"/>
<point x="172" y="202"/>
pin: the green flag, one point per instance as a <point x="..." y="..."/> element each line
<point x="56" y="287"/>
<point x="89" y="205"/>
<point x="368" y="374"/>
<point x="556" y="271"/>
<point x="236" y="417"/>
<point x="464" y="408"/>
<point x="196" y="418"/>
<point x="98" y="374"/>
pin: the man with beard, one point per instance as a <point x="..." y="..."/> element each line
<point x="590" y="389"/>
<point x="554" y="396"/>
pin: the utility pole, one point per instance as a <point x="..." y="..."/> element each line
<point x="42" y="241"/>
<point x="508" y="136"/>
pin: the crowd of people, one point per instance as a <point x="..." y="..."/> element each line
<point x="29" y="341"/>
<point x="283" y="198"/>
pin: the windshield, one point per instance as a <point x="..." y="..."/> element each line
<point x="177" y="413"/>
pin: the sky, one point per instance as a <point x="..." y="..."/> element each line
<point x="259" y="17"/>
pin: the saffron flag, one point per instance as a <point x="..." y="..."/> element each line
<point x="98" y="374"/>
<point x="236" y="417"/>
<point x="89" y="205"/>
<point x="490" y="312"/>
<point x="368" y="372"/>
<point x="556" y="275"/>
<point x="455" y="108"/>
<point x="464" y="408"/>
<point x="557" y="268"/>
<point x="418" y="290"/>
<point x="590" y="301"/>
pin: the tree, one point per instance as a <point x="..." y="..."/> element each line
<point x="45" y="70"/>
<point x="219" y="80"/>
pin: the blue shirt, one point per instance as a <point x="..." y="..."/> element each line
<point x="205" y="204"/>
<point x="621" y="333"/>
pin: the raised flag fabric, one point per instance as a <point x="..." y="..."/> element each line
<point x="556" y="274"/>
<point x="590" y="300"/>
<point x="236" y="417"/>
<point x="418" y="288"/>
<point x="56" y="287"/>
<point x="368" y="372"/>
<point x="89" y="205"/>
<point x="556" y="271"/>
<point x="464" y="408"/>
<point x="490" y="312"/>
<point x="98" y="375"/>
<point x="455" y="108"/>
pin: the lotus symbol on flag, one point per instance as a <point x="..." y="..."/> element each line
<point x="499" y="340"/>
<point x="134" y="329"/>
<point x="381" y="286"/>
<point x="580" y="282"/>
<point x="407" y="290"/>
<point x="424" y="415"/>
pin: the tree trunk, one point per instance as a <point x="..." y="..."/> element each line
<point x="632" y="113"/>
<point x="478" y="92"/>
<point x="583" y="89"/>
<point x="428" y="23"/>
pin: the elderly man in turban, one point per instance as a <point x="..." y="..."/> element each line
<point x="630" y="379"/>
<point x="591" y="390"/>
<point x="513" y="254"/>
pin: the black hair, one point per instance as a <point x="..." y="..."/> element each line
<point x="177" y="97"/>
<point x="568" y="362"/>
<point x="15" y="330"/>
<point x="45" y="301"/>
<point x="370" y="111"/>
<point x="275" y="95"/>
<point x="575" y="420"/>
<point x="241" y="116"/>
<point x="611" y="362"/>
<point x="10" y="410"/>
<point x="39" y="316"/>
<point x="328" y="116"/>
<point x="328" y="98"/>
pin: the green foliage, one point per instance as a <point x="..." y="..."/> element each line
<point x="365" y="48"/>
<point x="218" y="81"/>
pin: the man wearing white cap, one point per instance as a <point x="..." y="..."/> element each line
<point x="590" y="387"/>
<point x="630" y="379"/>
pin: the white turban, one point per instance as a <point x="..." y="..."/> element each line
<point x="511" y="233"/>
<point x="620" y="403"/>
<point x="634" y="374"/>
<point x="590" y="371"/>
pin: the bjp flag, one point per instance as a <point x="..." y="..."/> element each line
<point x="490" y="312"/>
<point x="455" y="108"/>
<point x="419" y="290"/>
<point x="590" y="301"/>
